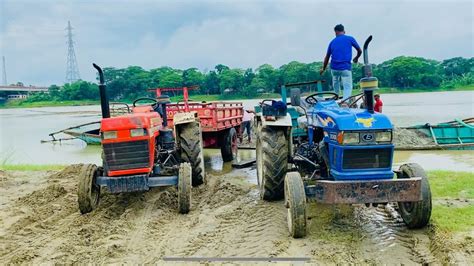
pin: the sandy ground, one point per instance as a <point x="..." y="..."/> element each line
<point x="40" y="223"/>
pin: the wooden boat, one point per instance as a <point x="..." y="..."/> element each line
<point x="456" y="134"/>
<point x="89" y="133"/>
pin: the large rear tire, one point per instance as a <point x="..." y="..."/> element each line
<point x="295" y="202"/>
<point x="184" y="188"/>
<point x="88" y="192"/>
<point x="272" y="162"/>
<point x="416" y="214"/>
<point x="229" y="142"/>
<point x="190" y="139"/>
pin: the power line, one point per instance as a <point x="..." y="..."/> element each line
<point x="72" y="70"/>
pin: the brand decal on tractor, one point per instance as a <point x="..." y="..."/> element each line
<point x="366" y="122"/>
<point x="327" y="122"/>
<point x="368" y="137"/>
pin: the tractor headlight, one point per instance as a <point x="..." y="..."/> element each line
<point x="109" y="135"/>
<point x="385" y="136"/>
<point x="350" y="138"/>
<point x="137" y="132"/>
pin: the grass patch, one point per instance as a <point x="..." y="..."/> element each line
<point x="452" y="185"/>
<point x="454" y="219"/>
<point x="31" y="167"/>
<point x="26" y="104"/>
<point x="449" y="184"/>
<point x="386" y="90"/>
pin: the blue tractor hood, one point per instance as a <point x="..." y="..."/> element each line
<point x="329" y="115"/>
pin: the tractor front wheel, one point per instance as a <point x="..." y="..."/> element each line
<point x="184" y="188"/>
<point x="88" y="192"/>
<point x="416" y="214"/>
<point x="295" y="202"/>
<point x="229" y="149"/>
<point x="190" y="140"/>
<point x="272" y="162"/>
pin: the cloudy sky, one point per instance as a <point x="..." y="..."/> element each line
<point x="201" y="34"/>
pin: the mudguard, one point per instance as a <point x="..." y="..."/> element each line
<point x="183" y="118"/>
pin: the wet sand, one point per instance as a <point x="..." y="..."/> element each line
<point x="40" y="223"/>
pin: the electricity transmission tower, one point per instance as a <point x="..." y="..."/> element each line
<point x="4" y="73"/>
<point x="72" y="71"/>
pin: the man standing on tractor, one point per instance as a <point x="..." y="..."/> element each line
<point x="340" y="51"/>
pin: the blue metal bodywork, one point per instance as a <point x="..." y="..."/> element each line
<point x="333" y="119"/>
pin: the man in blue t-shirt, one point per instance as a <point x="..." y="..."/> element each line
<point x="340" y="51"/>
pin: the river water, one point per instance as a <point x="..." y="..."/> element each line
<point x="23" y="129"/>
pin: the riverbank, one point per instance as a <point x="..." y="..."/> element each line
<point x="220" y="97"/>
<point x="26" y="104"/>
<point x="385" y="90"/>
<point x="452" y="192"/>
<point x="40" y="223"/>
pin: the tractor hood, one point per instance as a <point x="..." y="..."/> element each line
<point x="328" y="114"/>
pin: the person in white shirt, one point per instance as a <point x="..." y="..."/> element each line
<point x="246" y="124"/>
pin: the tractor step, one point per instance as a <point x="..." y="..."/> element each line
<point x="365" y="191"/>
<point x="244" y="163"/>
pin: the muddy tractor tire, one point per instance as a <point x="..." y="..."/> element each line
<point x="272" y="162"/>
<point x="184" y="188"/>
<point x="88" y="192"/>
<point x="229" y="142"/>
<point x="416" y="214"/>
<point x="190" y="139"/>
<point x="295" y="202"/>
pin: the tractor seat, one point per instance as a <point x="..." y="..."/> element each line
<point x="164" y="99"/>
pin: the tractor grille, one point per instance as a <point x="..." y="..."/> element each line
<point x="127" y="155"/>
<point x="366" y="158"/>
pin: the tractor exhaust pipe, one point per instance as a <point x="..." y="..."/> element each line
<point x="104" y="101"/>
<point x="368" y="83"/>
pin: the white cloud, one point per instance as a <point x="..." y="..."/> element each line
<point x="205" y="33"/>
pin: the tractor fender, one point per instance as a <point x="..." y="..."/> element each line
<point x="183" y="118"/>
<point x="284" y="121"/>
<point x="280" y="122"/>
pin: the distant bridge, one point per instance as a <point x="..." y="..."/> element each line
<point x="23" y="89"/>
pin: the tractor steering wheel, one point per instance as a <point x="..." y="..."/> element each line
<point x="154" y="105"/>
<point x="352" y="104"/>
<point x="311" y="99"/>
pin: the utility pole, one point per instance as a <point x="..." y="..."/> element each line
<point x="4" y="73"/>
<point x="72" y="71"/>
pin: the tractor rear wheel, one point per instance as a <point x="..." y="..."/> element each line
<point x="184" y="188"/>
<point x="229" y="149"/>
<point x="295" y="202"/>
<point x="416" y="214"/>
<point x="190" y="139"/>
<point x="272" y="162"/>
<point x="88" y="192"/>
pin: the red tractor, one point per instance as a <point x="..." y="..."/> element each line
<point x="140" y="151"/>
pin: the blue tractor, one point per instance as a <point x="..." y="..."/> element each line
<point x="346" y="156"/>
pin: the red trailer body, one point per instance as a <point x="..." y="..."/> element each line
<point x="220" y="121"/>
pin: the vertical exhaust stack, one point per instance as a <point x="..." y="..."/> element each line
<point x="368" y="83"/>
<point x="104" y="101"/>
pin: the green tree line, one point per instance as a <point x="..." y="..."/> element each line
<point x="403" y="72"/>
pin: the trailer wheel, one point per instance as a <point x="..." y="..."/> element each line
<point x="88" y="192"/>
<point x="272" y="162"/>
<point x="190" y="139"/>
<point x="295" y="202"/>
<point x="416" y="214"/>
<point x="229" y="148"/>
<point x="184" y="188"/>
